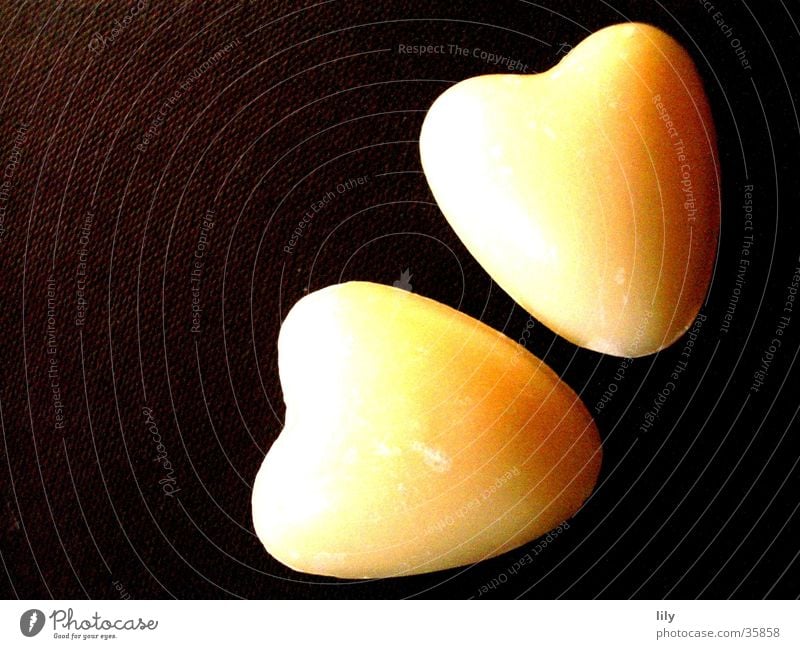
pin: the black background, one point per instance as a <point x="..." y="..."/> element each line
<point x="703" y="504"/>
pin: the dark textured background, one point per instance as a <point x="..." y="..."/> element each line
<point x="703" y="504"/>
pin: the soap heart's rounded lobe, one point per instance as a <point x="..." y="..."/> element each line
<point x="589" y="192"/>
<point x="416" y="439"/>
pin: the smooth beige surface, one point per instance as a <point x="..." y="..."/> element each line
<point x="589" y="192"/>
<point x="416" y="439"/>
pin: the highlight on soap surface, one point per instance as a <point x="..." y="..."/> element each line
<point x="589" y="192"/>
<point x="416" y="439"/>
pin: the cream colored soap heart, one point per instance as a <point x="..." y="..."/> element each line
<point x="416" y="439"/>
<point x="589" y="192"/>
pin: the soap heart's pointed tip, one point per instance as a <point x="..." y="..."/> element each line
<point x="621" y="346"/>
<point x="616" y="348"/>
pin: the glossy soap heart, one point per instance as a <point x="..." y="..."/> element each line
<point x="589" y="192"/>
<point x="416" y="439"/>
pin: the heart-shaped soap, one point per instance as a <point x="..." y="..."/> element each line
<point x="589" y="192"/>
<point x="416" y="439"/>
